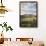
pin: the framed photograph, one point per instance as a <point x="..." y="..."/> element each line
<point x="28" y="11"/>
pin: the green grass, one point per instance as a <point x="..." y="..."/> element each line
<point x="28" y="21"/>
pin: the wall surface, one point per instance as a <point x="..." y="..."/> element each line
<point x="12" y="18"/>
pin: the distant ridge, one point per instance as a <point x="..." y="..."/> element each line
<point x="28" y="15"/>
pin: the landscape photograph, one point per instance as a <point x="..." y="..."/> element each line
<point x="28" y="14"/>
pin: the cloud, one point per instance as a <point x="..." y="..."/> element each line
<point x="28" y="8"/>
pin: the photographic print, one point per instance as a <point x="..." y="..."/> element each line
<point x="28" y="13"/>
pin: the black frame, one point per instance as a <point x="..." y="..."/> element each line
<point x="20" y="10"/>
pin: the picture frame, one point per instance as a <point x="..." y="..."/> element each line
<point x="28" y="12"/>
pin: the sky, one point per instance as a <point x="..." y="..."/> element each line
<point x="28" y="8"/>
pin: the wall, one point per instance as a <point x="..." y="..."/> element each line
<point x="12" y="17"/>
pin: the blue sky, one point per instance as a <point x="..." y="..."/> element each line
<point x="28" y="8"/>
